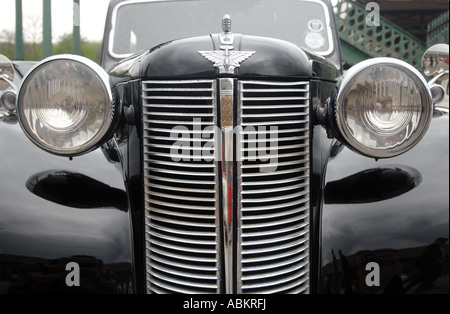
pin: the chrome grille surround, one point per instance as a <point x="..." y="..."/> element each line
<point x="184" y="218"/>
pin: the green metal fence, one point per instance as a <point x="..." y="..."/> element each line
<point x="360" y="41"/>
<point x="437" y="31"/>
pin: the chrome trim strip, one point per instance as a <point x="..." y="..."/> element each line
<point x="226" y="91"/>
<point x="239" y="162"/>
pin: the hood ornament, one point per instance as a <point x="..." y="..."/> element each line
<point x="226" y="59"/>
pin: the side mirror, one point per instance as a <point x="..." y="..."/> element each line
<point x="435" y="60"/>
<point x="6" y="73"/>
<point x="435" y="63"/>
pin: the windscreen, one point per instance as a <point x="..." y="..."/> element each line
<point x="139" y="25"/>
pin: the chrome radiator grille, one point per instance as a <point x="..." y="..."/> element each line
<point x="184" y="241"/>
<point x="274" y="198"/>
<point x="180" y="195"/>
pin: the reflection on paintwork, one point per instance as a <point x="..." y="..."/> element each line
<point x="75" y="190"/>
<point x="414" y="270"/>
<point x="372" y="185"/>
<point x="24" y="275"/>
<point x="38" y="234"/>
<point x="393" y="232"/>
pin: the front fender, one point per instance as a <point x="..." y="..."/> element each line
<point x="402" y="228"/>
<point x="40" y="238"/>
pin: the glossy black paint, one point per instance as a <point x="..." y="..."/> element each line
<point x="391" y="225"/>
<point x="398" y="229"/>
<point x="372" y="185"/>
<point x="127" y="146"/>
<point x="39" y="237"/>
<point x="181" y="59"/>
<point x="320" y="146"/>
<point x="76" y="190"/>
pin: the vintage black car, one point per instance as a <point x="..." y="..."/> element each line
<point x="220" y="148"/>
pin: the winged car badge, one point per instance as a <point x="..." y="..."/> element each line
<point x="226" y="59"/>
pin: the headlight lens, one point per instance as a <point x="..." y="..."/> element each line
<point x="65" y="105"/>
<point x="383" y="107"/>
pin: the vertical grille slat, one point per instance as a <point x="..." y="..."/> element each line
<point x="182" y="232"/>
<point x="274" y="201"/>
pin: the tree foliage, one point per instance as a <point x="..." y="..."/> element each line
<point x="33" y="50"/>
<point x="89" y="49"/>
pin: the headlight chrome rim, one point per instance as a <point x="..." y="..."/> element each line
<point x="340" y="101"/>
<point x="102" y="81"/>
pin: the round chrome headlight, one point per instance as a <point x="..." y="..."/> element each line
<point x="65" y="105"/>
<point x="383" y="107"/>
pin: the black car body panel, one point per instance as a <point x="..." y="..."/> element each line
<point x="181" y="59"/>
<point x="38" y="237"/>
<point x="90" y="209"/>
<point x="402" y="212"/>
